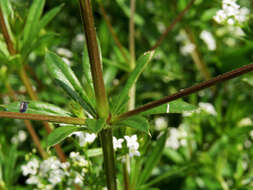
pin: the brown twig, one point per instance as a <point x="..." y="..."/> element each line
<point x="40" y="117"/>
<point x="114" y="35"/>
<point x="187" y="91"/>
<point x="172" y="25"/>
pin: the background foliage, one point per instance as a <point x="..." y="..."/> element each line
<point x="207" y="149"/>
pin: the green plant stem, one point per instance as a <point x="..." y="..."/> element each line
<point x="187" y="91"/>
<point x="172" y="25"/>
<point x="109" y="162"/>
<point x="40" y="117"/>
<point x="100" y="93"/>
<point x="94" y="56"/>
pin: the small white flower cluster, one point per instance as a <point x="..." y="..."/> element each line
<point x="85" y="138"/>
<point x="131" y="143"/>
<point x="208" y="38"/>
<point x="47" y="174"/>
<point x="19" y="138"/>
<point x="177" y="138"/>
<point x="187" y="47"/>
<point x="231" y="13"/>
<point x="203" y="106"/>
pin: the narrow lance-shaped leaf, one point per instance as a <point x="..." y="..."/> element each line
<point x="61" y="133"/>
<point x="87" y="73"/>
<point x="32" y="21"/>
<point x="123" y="97"/>
<point x="68" y="81"/>
<point x="177" y="106"/>
<point x="37" y="108"/>
<point x="152" y="159"/>
<point x="137" y="122"/>
<point x="49" y="16"/>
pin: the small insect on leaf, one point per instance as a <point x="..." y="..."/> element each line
<point x="23" y="107"/>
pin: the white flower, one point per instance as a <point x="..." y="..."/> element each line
<point x="220" y="16"/>
<point x="49" y="164"/>
<point x="176" y="138"/>
<point x="132" y="145"/>
<point x="132" y="142"/>
<point x="246" y="122"/>
<point x="78" y="179"/>
<point x="117" y="143"/>
<point x="64" y="52"/>
<point x="188" y="48"/>
<point x="33" y="180"/>
<point x="90" y="138"/>
<point x="56" y="176"/>
<point x="134" y="152"/>
<point x="160" y="123"/>
<point x="19" y="138"/>
<point x="208" y="38"/>
<point x="231" y="13"/>
<point x="207" y="107"/>
<point x="85" y="138"/>
<point x="31" y="167"/>
<point x="78" y="159"/>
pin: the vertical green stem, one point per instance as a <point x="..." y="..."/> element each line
<point x="100" y="93"/>
<point x="109" y="162"/>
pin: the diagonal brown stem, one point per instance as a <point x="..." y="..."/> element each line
<point x="187" y="91"/>
<point x="172" y="25"/>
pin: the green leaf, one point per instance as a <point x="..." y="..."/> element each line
<point x="123" y="97"/>
<point x="6" y="8"/>
<point x="95" y="125"/>
<point x="66" y="78"/>
<point x="177" y="106"/>
<point x="117" y="64"/>
<point x="152" y="159"/>
<point x="49" y="16"/>
<point x="60" y="133"/>
<point x="136" y="122"/>
<point x="94" y="152"/>
<point x="32" y="22"/>
<point x="38" y="108"/>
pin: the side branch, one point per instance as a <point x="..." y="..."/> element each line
<point x="40" y="117"/>
<point x="172" y="25"/>
<point x="187" y="91"/>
